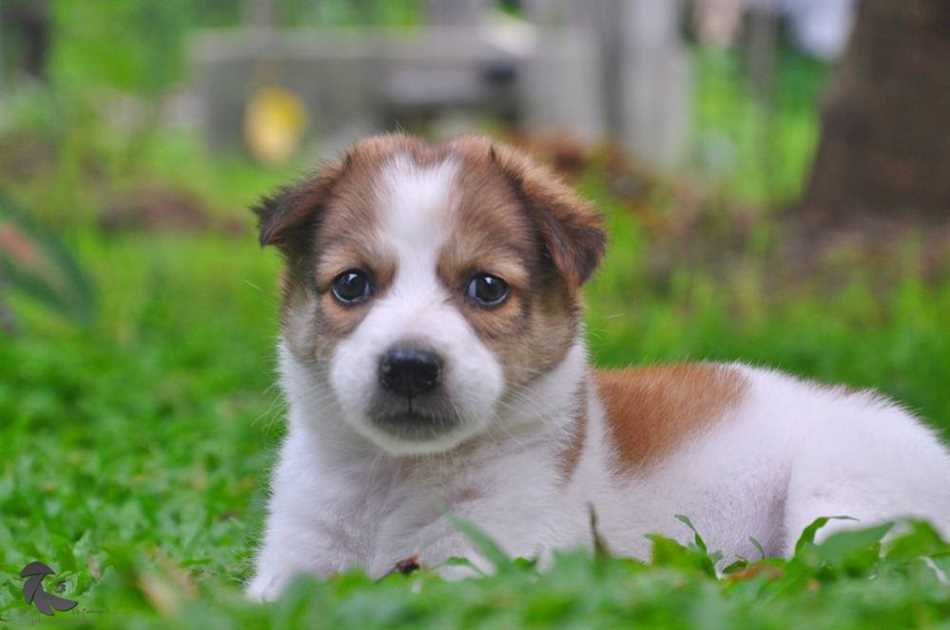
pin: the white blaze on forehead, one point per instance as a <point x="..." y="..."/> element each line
<point x="414" y="205"/>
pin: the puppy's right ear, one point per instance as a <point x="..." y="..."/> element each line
<point x="287" y="217"/>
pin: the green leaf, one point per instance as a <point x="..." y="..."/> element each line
<point x="808" y="535"/>
<point x="37" y="263"/>
<point x="459" y="561"/>
<point x="738" y="565"/>
<point x="919" y="539"/>
<point x="697" y="539"/>
<point x="667" y="552"/>
<point x="484" y="543"/>
<point x="841" y="545"/>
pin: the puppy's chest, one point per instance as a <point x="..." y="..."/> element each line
<point x="395" y="516"/>
<point x="401" y="514"/>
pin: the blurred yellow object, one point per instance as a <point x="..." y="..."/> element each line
<point x="274" y="124"/>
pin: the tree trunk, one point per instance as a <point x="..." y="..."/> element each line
<point x="28" y="23"/>
<point x="884" y="151"/>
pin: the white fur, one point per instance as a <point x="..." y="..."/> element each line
<point x="345" y="495"/>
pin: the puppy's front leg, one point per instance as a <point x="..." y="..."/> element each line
<point x="455" y="545"/>
<point x="293" y="547"/>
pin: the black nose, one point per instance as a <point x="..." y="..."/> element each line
<point x="410" y="371"/>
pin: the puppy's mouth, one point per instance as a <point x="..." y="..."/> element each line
<point x="416" y="422"/>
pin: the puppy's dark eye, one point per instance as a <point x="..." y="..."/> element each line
<point x="352" y="287"/>
<point x="487" y="290"/>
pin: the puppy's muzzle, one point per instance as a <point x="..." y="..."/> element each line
<point x="410" y="372"/>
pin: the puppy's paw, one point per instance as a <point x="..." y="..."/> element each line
<point x="265" y="587"/>
<point x="464" y="568"/>
<point x="456" y="572"/>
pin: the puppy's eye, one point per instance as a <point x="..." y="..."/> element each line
<point x="352" y="287"/>
<point x="487" y="290"/>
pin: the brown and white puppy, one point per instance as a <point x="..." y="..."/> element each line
<point x="433" y="359"/>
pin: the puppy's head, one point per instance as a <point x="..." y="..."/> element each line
<point x="425" y="285"/>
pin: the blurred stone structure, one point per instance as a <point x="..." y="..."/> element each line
<point x="599" y="70"/>
<point x="643" y="66"/>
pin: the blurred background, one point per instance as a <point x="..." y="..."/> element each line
<point x="775" y="175"/>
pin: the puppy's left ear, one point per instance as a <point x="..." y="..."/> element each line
<point x="287" y="217"/>
<point x="572" y="230"/>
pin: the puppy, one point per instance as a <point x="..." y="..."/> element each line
<point x="433" y="358"/>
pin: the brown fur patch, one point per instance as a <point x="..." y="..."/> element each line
<point x="651" y="410"/>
